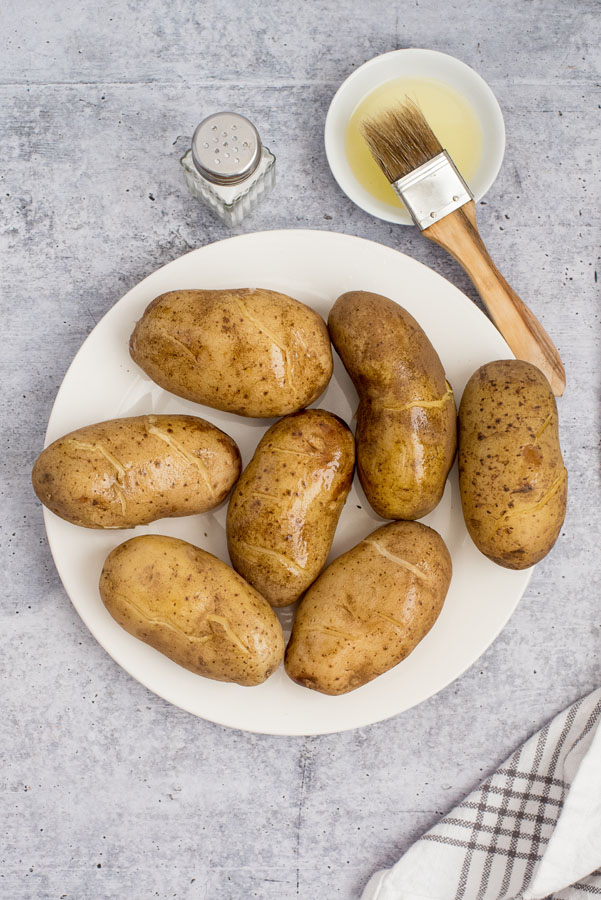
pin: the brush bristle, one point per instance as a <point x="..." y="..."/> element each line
<point x="400" y="140"/>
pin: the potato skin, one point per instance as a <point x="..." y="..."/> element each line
<point x="252" y="352"/>
<point x="369" y="609"/>
<point x="192" y="607"/>
<point x="285" y="507"/>
<point x="406" y="422"/>
<point x="131" y="471"/>
<point x="511" y="474"/>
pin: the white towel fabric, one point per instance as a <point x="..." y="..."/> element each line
<point x="531" y="830"/>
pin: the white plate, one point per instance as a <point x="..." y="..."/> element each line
<point x="413" y="63"/>
<point x="103" y="383"/>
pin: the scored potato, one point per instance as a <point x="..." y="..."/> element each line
<point x="369" y="609"/>
<point x="406" y="421"/>
<point x="285" y="507"/>
<point x="193" y="608"/>
<point x="252" y="352"/>
<point x="132" y="471"/>
<point x="511" y="474"/>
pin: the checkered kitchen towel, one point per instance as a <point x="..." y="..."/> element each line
<point x="531" y="830"/>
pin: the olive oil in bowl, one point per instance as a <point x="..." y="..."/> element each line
<point x="450" y="116"/>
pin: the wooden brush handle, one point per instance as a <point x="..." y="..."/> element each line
<point x="458" y="234"/>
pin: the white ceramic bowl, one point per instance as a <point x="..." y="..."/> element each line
<point x="413" y="64"/>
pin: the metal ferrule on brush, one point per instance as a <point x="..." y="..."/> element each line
<point x="433" y="190"/>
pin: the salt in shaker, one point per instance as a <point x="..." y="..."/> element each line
<point x="227" y="166"/>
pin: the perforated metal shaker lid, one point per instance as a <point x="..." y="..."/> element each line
<point x="226" y="148"/>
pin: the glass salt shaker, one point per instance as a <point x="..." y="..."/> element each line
<point x="227" y="166"/>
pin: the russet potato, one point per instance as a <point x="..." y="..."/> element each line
<point x="369" y="609"/>
<point x="132" y="471"/>
<point x="285" y="507"/>
<point x="406" y="420"/>
<point x="511" y="474"/>
<point x="252" y="352"/>
<point x="192" y="607"/>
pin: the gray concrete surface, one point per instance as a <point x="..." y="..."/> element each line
<point x="107" y="791"/>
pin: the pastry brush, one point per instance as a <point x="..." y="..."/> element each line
<point x="441" y="204"/>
